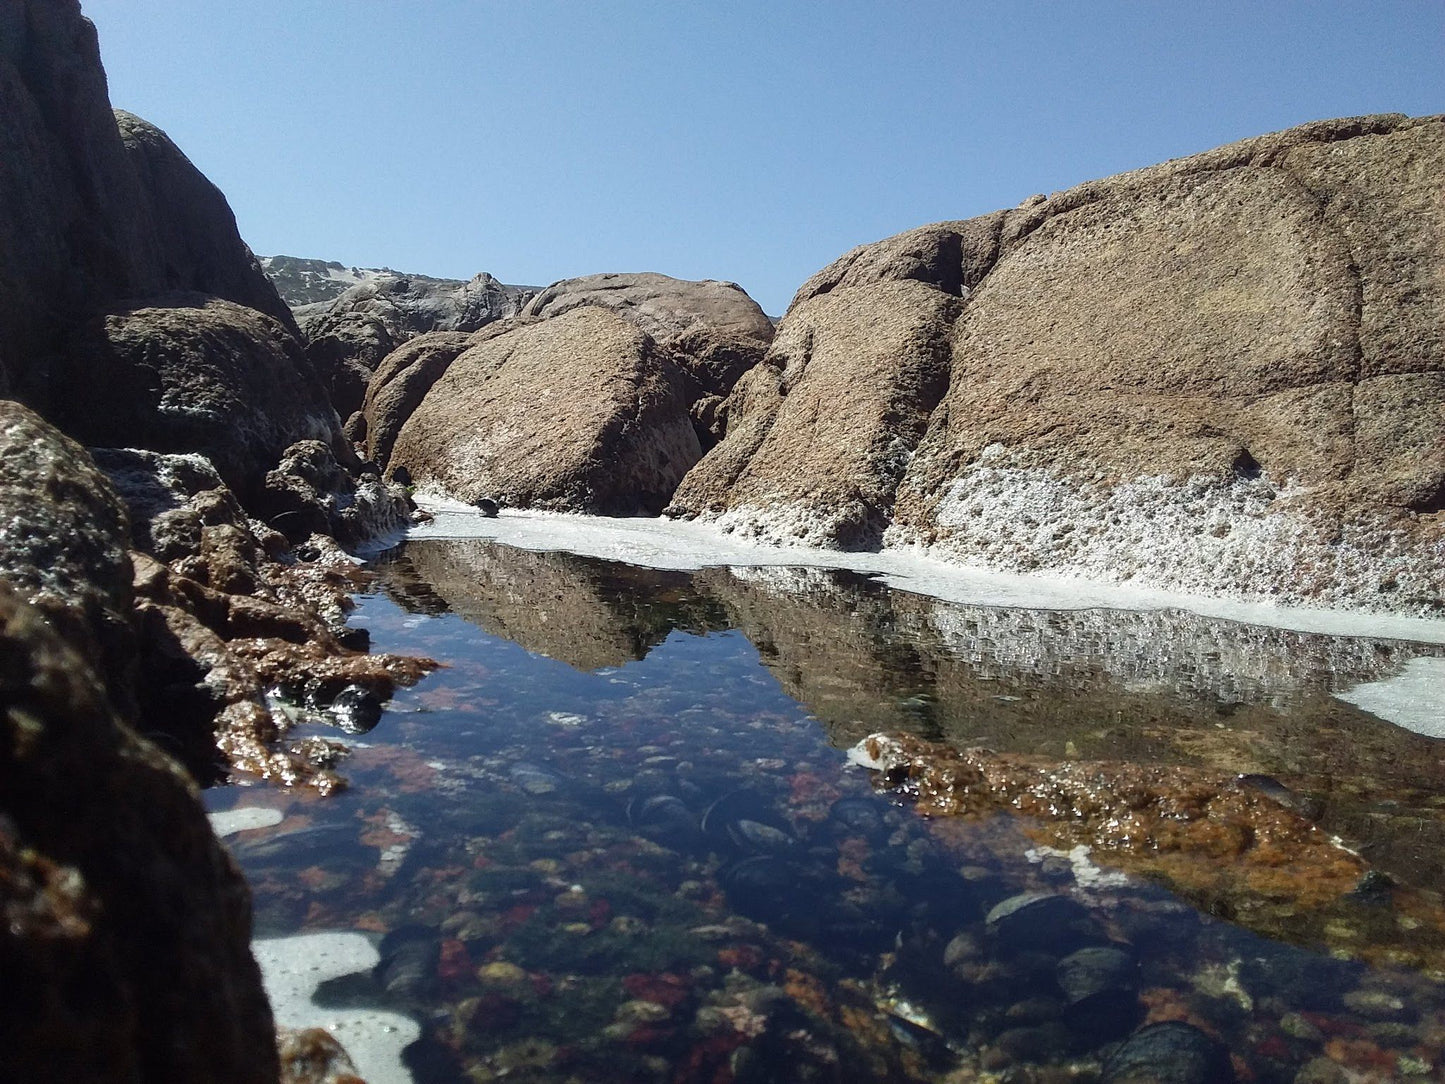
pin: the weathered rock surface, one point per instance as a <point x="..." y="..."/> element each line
<point x="222" y="623"/>
<point x="714" y="329"/>
<point x="1222" y="374"/>
<point x="125" y="934"/>
<point x="93" y="208"/>
<point x="349" y="336"/>
<point x="581" y="412"/>
<point x="194" y="374"/>
<point x="401" y="382"/>
<point x="825" y="425"/>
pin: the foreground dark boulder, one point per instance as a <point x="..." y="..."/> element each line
<point x="1223" y="374"/>
<point x="579" y="412"/>
<point x="126" y="927"/>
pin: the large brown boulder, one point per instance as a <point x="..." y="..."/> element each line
<point x="124" y="925"/>
<point x="95" y="208"/>
<point x="824" y="426"/>
<point x="1221" y="374"/>
<point x="714" y="329"/>
<point x="578" y="412"/>
<point x="194" y="374"/>
<point x="401" y="382"/>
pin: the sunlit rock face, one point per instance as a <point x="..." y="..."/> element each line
<point x="1222" y="374"/>
<point x="577" y="412"/>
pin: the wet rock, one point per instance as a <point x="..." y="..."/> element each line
<point x="1168" y="1053"/>
<point x="313" y="1056"/>
<point x="1041" y="923"/>
<point x="310" y="492"/>
<point x="63" y="538"/>
<point x="487" y="507"/>
<point x="125" y="942"/>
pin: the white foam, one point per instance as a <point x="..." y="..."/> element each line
<point x="291" y="970"/>
<point x="688" y="546"/>
<point x="1413" y="698"/>
<point x="242" y="819"/>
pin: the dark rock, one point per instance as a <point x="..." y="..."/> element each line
<point x="310" y="493"/>
<point x="125" y="940"/>
<point x="95" y="207"/>
<point x="1168" y="1053"/>
<point x="63" y="539"/>
<point x="487" y="507"/>
<point x="1101" y="988"/>
<point x="196" y="374"/>
<point x="356" y="709"/>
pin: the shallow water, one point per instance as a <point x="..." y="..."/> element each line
<point x="618" y="838"/>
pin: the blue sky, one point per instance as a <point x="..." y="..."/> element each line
<point x="736" y="140"/>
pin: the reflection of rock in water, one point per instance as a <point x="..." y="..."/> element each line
<point x="1162" y="687"/>
<point x="587" y="613"/>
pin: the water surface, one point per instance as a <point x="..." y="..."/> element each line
<point x="618" y="838"/>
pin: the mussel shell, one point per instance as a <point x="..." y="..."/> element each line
<point x="755" y="837"/>
<point x="355" y="710"/>
<point x="1037" y="922"/>
<point x="858" y="817"/>
<point x="1172" y="1052"/>
<point x="1101" y="991"/>
<point x="408" y="965"/>
<point x="537" y="779"/>
<point x="664" y="818"/>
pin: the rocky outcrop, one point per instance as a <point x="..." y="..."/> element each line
<point x="349" y="337"/>
<point x="196" y="246"/>
<point x="822" y="430"/>
<point x="63" y="543"/>
<point x="598" y="398"/>
<point x="194" y="374"/>
<point x="579" y="412"/>
<point x="125" y="940"/>
<point x="95" y="207"/>
<point x="1220" y="374"/>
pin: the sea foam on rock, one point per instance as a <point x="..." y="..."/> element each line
<point x="1223" y="374"/>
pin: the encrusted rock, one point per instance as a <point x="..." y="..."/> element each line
<point x="195" y="374"/>
<point x="125" y="934"/>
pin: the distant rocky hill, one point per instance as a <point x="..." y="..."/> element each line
<point x="352" y="317"/>
<point x="300" y="281"/>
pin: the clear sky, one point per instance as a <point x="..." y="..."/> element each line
<point x="752" y="141"/>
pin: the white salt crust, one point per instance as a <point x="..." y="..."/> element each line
<point x="291" y="970"/>
<point x="688" y="546"/>
<point x="1413" y="699"/>
<point x="230" y="821"/>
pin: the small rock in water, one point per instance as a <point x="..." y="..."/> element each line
<point x="1169" y="1053"/>
<point x="410" y="956"/>
<point x="487" y="507"/>
<point x="356" y="709"/>
<point x="1041" y="922"/>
